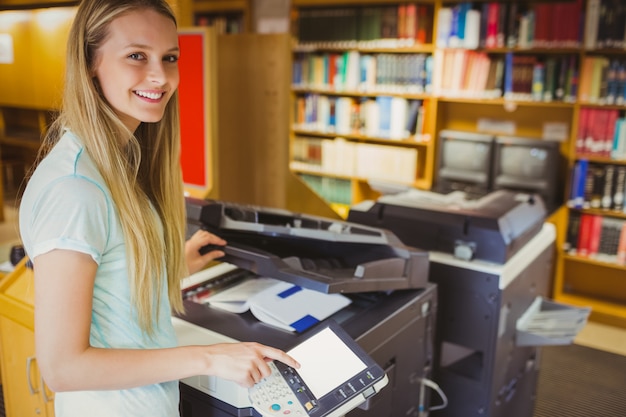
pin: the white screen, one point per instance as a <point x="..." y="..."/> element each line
<point x="325" y="362"/>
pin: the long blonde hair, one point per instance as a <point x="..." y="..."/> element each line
<point x="142" y="174"/>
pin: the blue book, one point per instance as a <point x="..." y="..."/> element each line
<point x="428" y="83"/>
<point x="578" y="183"/>
<point x="508" y="74"/>
<point x="463" y="9"/>
<point x="612" y="82"/>
<point x="384" y="107"/>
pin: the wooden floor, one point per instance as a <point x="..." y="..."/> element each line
<point x="595" y="335"/>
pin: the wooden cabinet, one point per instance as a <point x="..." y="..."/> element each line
<point x="25" y="393"/>
<point x="21" y="130"/>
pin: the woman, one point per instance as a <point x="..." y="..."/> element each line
<point x="103" y="221"/>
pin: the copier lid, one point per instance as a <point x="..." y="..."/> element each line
<point x="314" y="252"/>
<point x="493" y="227"/>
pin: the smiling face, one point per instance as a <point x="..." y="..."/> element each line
<point x="137" y="66"/>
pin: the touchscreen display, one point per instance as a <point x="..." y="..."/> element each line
<point x="325" y="362"/>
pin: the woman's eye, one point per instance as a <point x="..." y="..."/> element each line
<point x="171" y="58"/>
<point x="136" y="56"/>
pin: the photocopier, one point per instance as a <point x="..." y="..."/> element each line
<point x="392" y="313"/>
<point x="492" y="259"/>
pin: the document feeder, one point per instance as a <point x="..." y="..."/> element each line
<point x="314" y="252"/>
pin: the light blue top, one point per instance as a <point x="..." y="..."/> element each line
<point x="66" y="205"/>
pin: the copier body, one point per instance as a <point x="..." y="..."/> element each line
<point x="393" y="318"/>
<point x="396" y="330"/>
<point x="478" y="363"/>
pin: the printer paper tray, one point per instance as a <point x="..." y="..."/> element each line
<point x="377" y="275"/>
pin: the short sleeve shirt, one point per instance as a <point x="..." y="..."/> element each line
<point x="66" y="205"/>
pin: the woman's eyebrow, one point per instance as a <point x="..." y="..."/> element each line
<point x="143" y="46"/>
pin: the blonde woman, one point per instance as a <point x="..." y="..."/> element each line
<point x="103" y="221"/>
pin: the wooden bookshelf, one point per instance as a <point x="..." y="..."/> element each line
<point x="531" y="112"/>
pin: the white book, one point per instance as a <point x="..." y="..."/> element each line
<point x="278" y="303"/>
<point x="372" y="118"/>
<point x="444" y="24"/>
<point x="592" y="18"/>
<point x="472" y="29"/>
<point x="399" y="109"/>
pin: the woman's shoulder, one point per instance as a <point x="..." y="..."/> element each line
<point x="68" y="158"/>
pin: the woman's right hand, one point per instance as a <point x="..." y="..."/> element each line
<point x="244" y="363"/>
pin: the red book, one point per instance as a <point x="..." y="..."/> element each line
<point x="583" y="126"/>
<point x="542" y="25"/>
<point x="493" y="12"/>
<point x="411" y="20"/>
<point x="402" y="32"/>
<point x="595" y="233"/>
<point x="422" y="26"/>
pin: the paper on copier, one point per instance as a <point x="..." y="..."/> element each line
<point x="278" y="303"/>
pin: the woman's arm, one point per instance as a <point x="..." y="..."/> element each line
<point x="64" y="283"/>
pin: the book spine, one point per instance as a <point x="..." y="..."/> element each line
<point x="582" y="246"/>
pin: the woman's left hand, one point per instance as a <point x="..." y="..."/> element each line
<point x="197" y="261"/>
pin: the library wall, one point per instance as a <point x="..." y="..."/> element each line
<point x="32" y="64"/>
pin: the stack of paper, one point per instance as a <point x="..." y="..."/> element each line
<point x="549" y="323"/>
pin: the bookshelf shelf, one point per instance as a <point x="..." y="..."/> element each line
<point x="424" y="140"/>
<point x="607" y="312"/>
<point x="227" y="16"/>
<point x="502" y="102"/>
<point x="366" y="48"/>
<point x="595" y="262"/>
<point x="329" y="92"/>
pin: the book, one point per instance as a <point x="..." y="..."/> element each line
<point x="609" y="239"/>
<point x="621" y="246"/>
<point x="595" y="233"/>
<point x="571" y="238"/>
<point x="579" y="175"/>
<point x="278" y="303"/>
<point x="584" y="234"/>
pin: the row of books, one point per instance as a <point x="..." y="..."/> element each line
<point x="223" y="23"/>
<point x="603" y="80"/>
<point x="509" y="24"/>
<point x="541" y="78"/>
<point x="341" y="157"/>
<point x="597" y="237"/>
<point x="383" y="117"/>
<point x="598" y="186"/>
<point x="467" y="73"/>
<point x="604" y="24"/>
<point x="406" y="24"/>
<point x="601" y="132"/>
<point x="370" y="73"/>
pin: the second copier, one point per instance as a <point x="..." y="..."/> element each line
<point x="492" y="260"/>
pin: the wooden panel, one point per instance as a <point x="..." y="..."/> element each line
<point x="50" y="29"/>
<point x="39" y="37"/>
<point x="604" y="282"/>
<point x="253" y="130"/>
